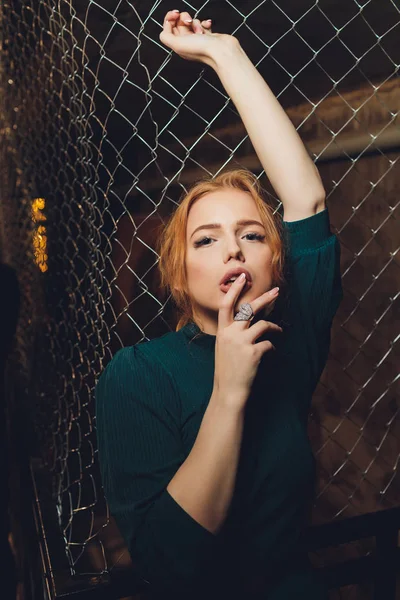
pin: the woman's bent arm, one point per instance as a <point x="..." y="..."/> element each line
<point x="203" y="485"/>
<point x="282" y="154"/>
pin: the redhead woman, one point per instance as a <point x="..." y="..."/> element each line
<point x="202" y="432"/>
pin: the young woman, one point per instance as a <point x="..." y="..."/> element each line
<point x="202" y="432"/>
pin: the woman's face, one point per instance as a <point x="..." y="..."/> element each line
<point x="211" y="252"/>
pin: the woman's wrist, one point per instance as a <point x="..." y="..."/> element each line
<point x="226" y="50"/>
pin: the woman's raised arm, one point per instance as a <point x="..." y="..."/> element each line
<point x="282" y="154"/>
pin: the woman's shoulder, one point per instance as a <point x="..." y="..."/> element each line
<point x="136" y="375"/>
<point x="165" y="350"/>
<point x="152" y="355"/>
<point x="168" y="342"/>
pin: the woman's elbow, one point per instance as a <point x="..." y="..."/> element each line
<point x="319" y="193"/>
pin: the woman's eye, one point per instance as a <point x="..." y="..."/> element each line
<point x="203" y="241"/>
<point x="257" y="236"/>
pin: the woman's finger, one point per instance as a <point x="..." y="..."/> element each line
<point x="260" y="328"/>
<point x="207" y="24"/>
<point x="184" y="22"/>
<point x="170" y="20"/>
<point x="172" y="14"/>
<point x="197" y="28"/>
<point x="265" y="300"/>
<point x="226" y="310"/>
<point x="168" y="26"/>
<point x="264" y="347"/>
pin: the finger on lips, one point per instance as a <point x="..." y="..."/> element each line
<point x="271" y="295"/>
<point x="237" y="284"/>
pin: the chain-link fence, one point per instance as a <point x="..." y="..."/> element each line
<point x="102" y="130"/>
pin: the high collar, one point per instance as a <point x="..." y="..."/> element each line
<point x="196" y="336"/>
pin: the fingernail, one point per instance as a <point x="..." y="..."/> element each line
<point x="241" y="277"/>
<point x="208" y="21"/>
<point x="175" y="10"/>
<point x="275" y="290"/>
<point x="188" y="20"/>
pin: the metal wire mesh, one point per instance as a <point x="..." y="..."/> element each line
<point x="103" y="129"/>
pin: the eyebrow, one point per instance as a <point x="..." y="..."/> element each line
<point x="241" y="223"/>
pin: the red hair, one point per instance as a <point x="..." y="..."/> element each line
<point x="171" y="245"/>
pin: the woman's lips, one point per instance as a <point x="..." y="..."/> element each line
<point x="224" y="287"/>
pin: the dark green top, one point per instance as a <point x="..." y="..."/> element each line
<point x="150" y="401"/>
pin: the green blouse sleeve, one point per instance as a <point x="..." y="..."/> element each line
<point x="137" y="418"/>
<point x="314" y="288"/>
<point x="313" y="260"/>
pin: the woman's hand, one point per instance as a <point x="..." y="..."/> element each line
<point x="237" y="356"/>
<point x="193" y="39"/>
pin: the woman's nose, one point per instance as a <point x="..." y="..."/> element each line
<point x="232" y="250"/>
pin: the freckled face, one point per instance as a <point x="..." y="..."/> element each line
<point x="211" y="252"/>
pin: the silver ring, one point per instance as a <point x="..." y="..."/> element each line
<point x="245" y="313"/>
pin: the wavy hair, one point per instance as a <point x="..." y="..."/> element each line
<point x="171" y="244"/>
